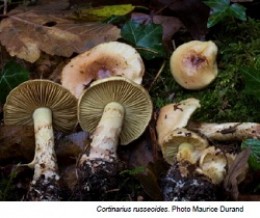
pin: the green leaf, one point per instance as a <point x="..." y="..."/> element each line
<point x="216" y="17"/>
<point x="254" y="158"/>
<point x="134" y="171"/>
<point x="147" y="39"/>
<point x="222" y="9"/>
<point x="12" y="75"/>
<point x="238" y="11"/>
<point x="252" y="81"/>
<point x="217" y="5"/>
<point x="104" y="12"/>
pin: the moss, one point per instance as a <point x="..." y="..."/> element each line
<point x="224" y="99"/>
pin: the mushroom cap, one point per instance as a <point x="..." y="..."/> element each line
<point x="171" y="142"/>
<point x="193" y="64"/>
<point x="132" y="96"/>
<point x="176" y="115"/>
<point x="23" y="100"/>
<point x="102" y="61"/>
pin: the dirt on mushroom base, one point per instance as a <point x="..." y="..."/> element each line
<point x="100" y="178"/>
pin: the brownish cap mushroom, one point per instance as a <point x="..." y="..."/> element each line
<point x="104" y="60"/>
<point x="183" y="144"/>
<point x="193" y="64"/>
<point x="23" y="100"/>
<point x="134" y="100"/>
<point x="176" y="115"/>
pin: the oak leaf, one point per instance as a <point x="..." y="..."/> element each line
<point x="28" y="31"/>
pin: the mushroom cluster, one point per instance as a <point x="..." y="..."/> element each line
<point x="194" y="161"/>
<point x="101" y="90"/>
<point x="47" y="106"/>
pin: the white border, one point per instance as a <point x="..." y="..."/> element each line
<point x="88" y="209"/>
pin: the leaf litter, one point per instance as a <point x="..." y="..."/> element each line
<point x="31" y="30"/>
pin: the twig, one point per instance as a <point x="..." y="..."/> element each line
<point x="158" y="74"/>
<point x="5" y="7"/>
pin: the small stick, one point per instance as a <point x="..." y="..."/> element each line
<point x="5" y="7"/>
<point x="158" y="74"/>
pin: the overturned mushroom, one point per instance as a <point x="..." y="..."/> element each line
<point x="172" y="134"/>
<point x="45" y="105"/>
<point x="193" y="64"/>
<point x="213" y="163"/>
<point x="115" y="111"/>
<point x="227" y="131"/>
<point x="176" y="115"/>
<point x="104" y="60"/>
<point x="183" y="144"/>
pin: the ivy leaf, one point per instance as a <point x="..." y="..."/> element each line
<point x="217" y="5"/>
<point x="252" y="81"/>
<point x="216" y="18"/>
<point x="147" y="39"/>
<point x="12" y="75"/>
<point x="254" y="158"/>
<point x="238" y="11"/>
<point x="222" y="9"/>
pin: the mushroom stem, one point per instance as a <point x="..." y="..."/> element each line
<point x="187" y="152"/>
<point x="44" y="161"/>
<point x="105" y="138"/>
<point x="227" y="131"/>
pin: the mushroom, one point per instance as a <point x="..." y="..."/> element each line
<point x="227" y="131"/>
<point x="173" y="138"/>
<point x="193" y="64"/>
<point x="45" y="105"/>
<point x="176" y="115"/>
<point x="115" y="111"/>
<point x="183" y="144"/>
<point x="102" y="61"/>
<point x="213" y="163"/>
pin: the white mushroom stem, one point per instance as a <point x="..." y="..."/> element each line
<point x="44" y="161"/>
<point x="227" y="131"/>
<point x="106" y="136"/>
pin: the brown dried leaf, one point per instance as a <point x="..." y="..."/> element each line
<point x="29" y="31"/>
<point x="248" y="197"/>
<point x="149" y="180"/>
<point x="193" y="14"/>
<point x="17" y="144"/>
<point x="235" y="170"/>
<point x="69" y="147"/>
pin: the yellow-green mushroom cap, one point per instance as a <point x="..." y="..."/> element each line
<point x="23" y="100"/>
<point x="132" y="96"/>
